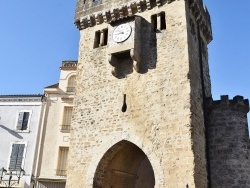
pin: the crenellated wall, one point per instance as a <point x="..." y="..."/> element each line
<point x="228" y="141"/>
<point x="89" y="13"/>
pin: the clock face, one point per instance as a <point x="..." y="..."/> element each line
<point x="122" y="33"/>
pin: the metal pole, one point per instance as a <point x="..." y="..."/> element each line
<point x="10" y="179"/>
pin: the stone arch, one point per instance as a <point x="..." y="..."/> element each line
<point x="124" y="165"/>
<point x="117" y="138"/>
<point x="71" y="83"/>
<point x="71" y="80"/>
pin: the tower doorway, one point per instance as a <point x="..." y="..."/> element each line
<point x="124" y="165"/>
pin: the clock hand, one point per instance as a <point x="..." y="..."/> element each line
<point x="119" y="33"/>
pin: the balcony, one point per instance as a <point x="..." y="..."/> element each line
<point x="65" y="128"/>
<point x="70" y="89"/>
<point x="61" y="172"/>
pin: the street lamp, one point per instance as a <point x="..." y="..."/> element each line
<point x="2" y="172"/>
<point x="20" y="174"/>
<point x="11" y="182"/>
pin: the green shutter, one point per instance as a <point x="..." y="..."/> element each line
<point x="16" y="157"/>
<point x="20" y="121"/>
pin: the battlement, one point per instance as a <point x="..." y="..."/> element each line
<point x="94" y="12"/>
<point x="238" y="102"/>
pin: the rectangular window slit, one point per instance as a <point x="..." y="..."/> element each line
<point x="154" y="23"/>
<point x="105" y="35"/>
<point x="97" y="39"/>
<point x="163" y="21"/>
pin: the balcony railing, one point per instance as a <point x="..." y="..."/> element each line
<point x="61" y="172"/>
<point x="65" y="128"/>
<point x="70" y="89"/>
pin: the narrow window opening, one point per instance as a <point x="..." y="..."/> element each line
<point x="101" y="38"/>
<point x="163" y="21"/>
<point x="124" y="106"/>
<point x="154" y="23"/>
<point x="105" y="35"/>
<point x="25" y="121"/>
<point x="158" y="22"/>
<point x="97" y="39"/>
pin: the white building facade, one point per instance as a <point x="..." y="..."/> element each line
<point x="20" y="118"/>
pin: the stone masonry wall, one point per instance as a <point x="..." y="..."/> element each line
<point x="160" y="108"/>
<point x="228" y="142"/>
<point x="197" y="113"/>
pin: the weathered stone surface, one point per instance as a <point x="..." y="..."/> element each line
<point x="228" y="141"/>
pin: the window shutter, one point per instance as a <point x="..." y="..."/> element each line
<point x="25" y="121"/>
<point x="16" y="157"/>
<point x="13" y="157"/>
<point x="67" y="115"/>
<point x="20" y="121"/>
<point x="20" y="156"/>
<point x="62" y="161"/>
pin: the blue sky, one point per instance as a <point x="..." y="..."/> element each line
<point x="36" y="36"/>
<point x="229" y="51"/>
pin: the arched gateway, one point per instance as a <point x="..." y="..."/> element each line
<point x="124" y="165"/>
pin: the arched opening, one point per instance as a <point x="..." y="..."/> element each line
<point x="71" y="84"/>
<point x="124" y="165"/>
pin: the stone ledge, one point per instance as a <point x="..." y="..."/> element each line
<point x="69" y="65"/>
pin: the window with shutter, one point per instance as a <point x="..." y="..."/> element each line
<point x="16" y="157"/>
<point x="20" y="121"/>
<point x="62" y="161"/>
<point x="71" y="84"/>
<point x="67" y="114"/>
<point x="23" y="120"/>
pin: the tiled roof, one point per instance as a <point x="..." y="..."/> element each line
<point x="21" y="95"/>
<point x="53" y="86"/>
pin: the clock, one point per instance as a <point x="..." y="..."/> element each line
<point x="121" y="33"/>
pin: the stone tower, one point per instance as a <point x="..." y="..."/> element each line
<point x="142" y="78"/>
<point x="228" y="142"/>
